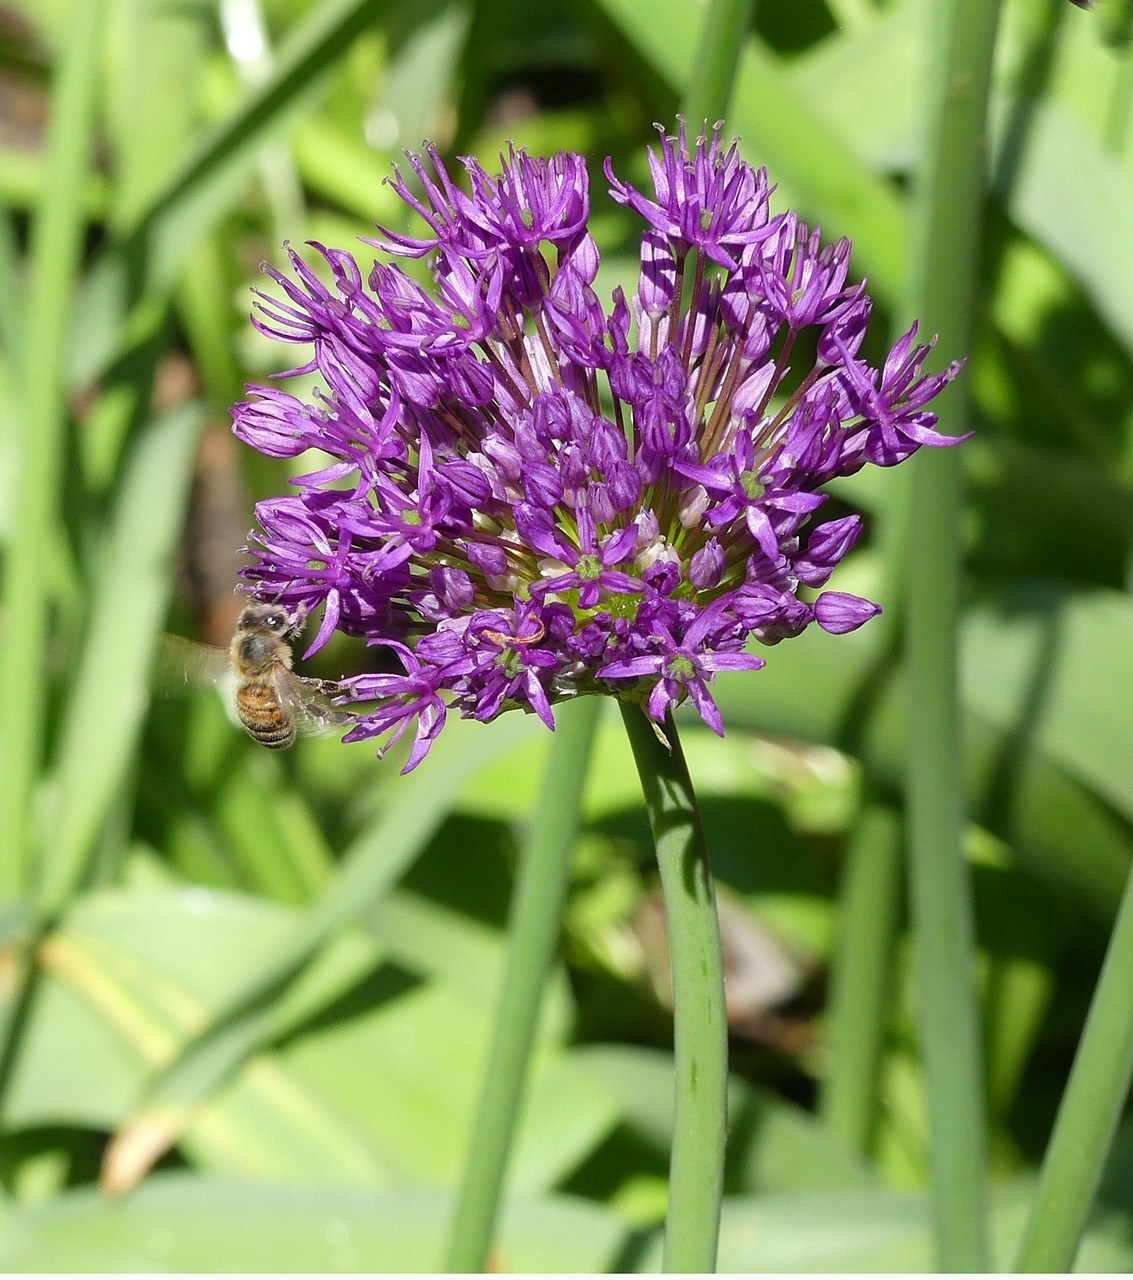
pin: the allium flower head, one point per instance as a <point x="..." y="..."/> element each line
<point x="533" y="497"/>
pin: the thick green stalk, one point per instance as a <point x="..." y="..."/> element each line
<point x="56" y="249"/>
<point x="862" y="976"/>
<point x="948" y="214"/>
<point x="1088" y="1114"/>
<point x="700" y="1025"/>
<point x="533" y="933"/>
<point x="542" y="884"/>
<point x="722" y="33"/>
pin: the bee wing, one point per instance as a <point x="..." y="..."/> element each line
<point x="309" y="703"/>
<point x="184" y="665"/>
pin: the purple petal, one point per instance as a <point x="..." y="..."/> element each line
<point x="709" y="711"/>
<point x="631" y="668"/>
<point x="732" y="662"/>
<point x="838" y="612"/>
<point x="659" y="700"/>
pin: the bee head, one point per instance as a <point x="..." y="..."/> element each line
<point x="269" y="617"/>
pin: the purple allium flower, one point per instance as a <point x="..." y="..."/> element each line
<point x="530" y="497"/>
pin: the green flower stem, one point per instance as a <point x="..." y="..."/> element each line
<point x="722" y="33"/>
<point x="1088" y="1113"/>
<point x="948" y="212"/>
<point x="542" y="884"/>
<point x="700" y="1025"/>
<point x="533" y="934"/>
<point x="56" y="251"/>
<point x="862" y="976"/>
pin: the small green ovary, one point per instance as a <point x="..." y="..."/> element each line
<point x="589" y="568"/>
<point x="753" y="487"/>
<point x="510" y="661"/>
<point x="622" y="606"/>
<point x="613" y="603"/>
<point x="680" y="667"/>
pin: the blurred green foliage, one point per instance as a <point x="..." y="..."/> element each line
<point x="347" y="924"/>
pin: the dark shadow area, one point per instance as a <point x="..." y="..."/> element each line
<point x="997" y="805"/>
<point x="383" y="985"/>
<point x="468" y="866"/>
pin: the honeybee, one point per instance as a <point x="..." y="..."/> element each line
<point x="274" y="703"/>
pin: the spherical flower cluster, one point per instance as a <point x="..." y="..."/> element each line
<point x="531" y="498"/>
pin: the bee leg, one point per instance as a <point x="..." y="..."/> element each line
<point x="328" y="688"/>
<point x="298" y="622"/>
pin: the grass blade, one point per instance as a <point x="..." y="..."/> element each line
<point x="862" y="976"/>
<point x="109" y="695"/>
<point x="1088" y="1114"/>
<point x="246" y="36"/>
<point x="723" y="34"/>
<point x="948" y="213"/>
<point x="147" y="259"/>
<point x="157" y="56"/>
<point x="56" y="251"/>
<point x="533" y="934"/>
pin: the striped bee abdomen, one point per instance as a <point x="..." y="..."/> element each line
<point x="258" y="707"/>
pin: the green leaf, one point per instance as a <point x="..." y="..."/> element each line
<point x="368" y="870"/>
<point x="11" y="313"/>
<point x="426" y="41"/>
<point x="56" y="250"/>
<point x="1022" y="929"/>
<point x="432" y="938"/>
<point x="178" y="1222"/>
<point x="1052" y="662"/>
<point x="24" y="178"/>
<point x="1043" y="806"/>
<point x="1089" y="225"/>
<point x="129" y="976"/>
<point x="365" y="1089"/>
<point x="874" y="1230"/>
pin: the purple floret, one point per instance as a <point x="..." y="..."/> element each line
<point x="530" y="497"/>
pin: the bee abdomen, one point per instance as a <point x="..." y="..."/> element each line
<point x="259" y="710"/>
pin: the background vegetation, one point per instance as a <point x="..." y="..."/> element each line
<point x="346" y="925"/>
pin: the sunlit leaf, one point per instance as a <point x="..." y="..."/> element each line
<point x="183" y="1223"/>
